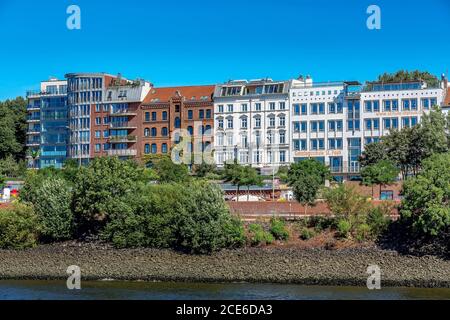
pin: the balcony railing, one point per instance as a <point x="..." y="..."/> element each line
<point x="37" y="93"/>
<point x="122" y="125"/>
<point x="118" y="113"/>
<point x="32" y="107"/>
<point x="118" y="139"/>
<point x="122" y="152"/>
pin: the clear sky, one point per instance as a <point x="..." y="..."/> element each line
<point x="208" y="41"/>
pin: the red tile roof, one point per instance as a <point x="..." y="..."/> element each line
<point x="194" y="93"/>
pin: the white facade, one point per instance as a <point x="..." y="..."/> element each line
<point x="252" y="123"/>
<point x="328" y="121"/>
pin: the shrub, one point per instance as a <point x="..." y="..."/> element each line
<point x="378" y="219"/>
<point x="194" y="219"/>
<point x="343" y="228"/>
<point x="19" y="227"/>
<point x="278" y="229"/>
<point x="257" y="235"/>
<point x="320" y="223"/>
<point x="52" y="205"/>
<point x="363" y="232"/>
<point x="306" y="234"/>
<point x="102" y="186"/>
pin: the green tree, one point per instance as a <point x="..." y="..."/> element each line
<point x="236" y="175"/>
<point x="404" y="75"/>
<point x="102" y="186"/>
<point x="10" y="167"/>
<point x="250" y="177"/>
<point x="373" y="152"/>
<point x="19" y="227"/>
<point x="306" y="178"/>
<point x="13" y="127"/>
<point x="382" y="173"/>
<point x="432" y="132"/>
<point x="52" y="204"/>
<point x="203" y="169"/>
<point x="167" y="171"/>
<point x="426" y="197"/>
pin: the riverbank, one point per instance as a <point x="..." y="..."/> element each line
<point x="308" y="266"/>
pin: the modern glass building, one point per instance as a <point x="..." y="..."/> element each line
<point x="47" y="125"/>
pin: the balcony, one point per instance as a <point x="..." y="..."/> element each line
<point x="122" y="152"/>
<point x="33" y="119"/>
<point x="38" y="93"/>
<point x="122" y="139"/>
<point x="123" y="113"/>
<point x="122" y="125"/>
<point x="33" y="108"/>
<point x="33" y="131"/>
<point x="32" y="143"/>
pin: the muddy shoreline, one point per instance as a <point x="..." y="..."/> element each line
<point x="307" y="266"/>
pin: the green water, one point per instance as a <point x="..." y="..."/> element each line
<point x="45" y="290"/>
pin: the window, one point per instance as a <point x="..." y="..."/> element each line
<point x="154" y="148"/>
<point x="296" y="109"/>
<point x="164" y="132"/>
<point x="230" y="140"/>
<point x="154" y="132"/>
<point x="230" y="123"/>
<point x="98" y="147"/>
<point x="317" y="144"/>
<point x="201" y="114"/>
<point x="146" y="132"/>
<point x="190" y="114"/>
<point x="208" y="113"/>
<point x="271" y="105"/>
<point x="314" y="108"/>
<point x="258" y="122"/>
<point x="335" y="144"/>
<point x="164" y="148"/>
<point x="244" y="107"/>
<point x="190" y="129"/>
<point x="164" y="115"/>
<point x="147" y="148"/>
<point x="105" y="133"/>
<point x="220" y="123"/>
<point x="272" y="122"/>
<point x="244" y="122"/>
<point x="153" y="116"/>
<point x="282" y="105"/>
<point x="282" y="138"/>
<point x="97" y="108"/>
<point x="230" y="108"/>
<point x="321" y="108"/>
<point x="269" y="138"/>
<point x="98" y="121"/>
<point x="283" y="156"/>
<point x="304" y="109"/>
<point x="390" y="123"/>
<point x="220" y="107"/>
<point x="177" y="122"/>
<point x="243" y="156"/>
<point x="98" y="134"/>
<point x="300" y="144"/>
<point x="257" y="106"/>
<point x="147" y="116"/>
<point x="331" y="107"/>
<point x="177" y="108"/>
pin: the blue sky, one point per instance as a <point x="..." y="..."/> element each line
<point x="204" y="42"/>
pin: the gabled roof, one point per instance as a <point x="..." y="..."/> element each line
<point x="190" y="93"/>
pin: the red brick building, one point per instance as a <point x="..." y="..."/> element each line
<point x="167" y="113"/>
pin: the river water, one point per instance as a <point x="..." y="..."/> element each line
<point x="44" y="290"/>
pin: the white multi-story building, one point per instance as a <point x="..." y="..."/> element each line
<point x="331" y="122"/>
<point x="252" y="123"/>
<point x="266" y="123"/>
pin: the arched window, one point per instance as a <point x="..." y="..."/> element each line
<point x="164" y="148"/>
<point x="164" y="115"/>
<point x="154" y="133"/>
<point x="164" y="132"/>
<point x="154" y="148"/>
<point x="147" y="148"/>
<point x="177" y="122"/>
<point x="146" y="132"/>
<point x="190" y="129"/>
<point x="208" y="129"/>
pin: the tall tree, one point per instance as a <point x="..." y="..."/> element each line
<point x="382" y="173"/>
<point x="236" y="175"/>
<point x="13" y="127"/>
<point x="306" y="178"/>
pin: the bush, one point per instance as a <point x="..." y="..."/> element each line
<point x="320" y="223"/>
<point x="257" y="235"/>
<point x="343" y="228"/>
<point x="363" y="232"/>
<point x="52" y="203"/>
<point x="19" y="227"/>
<point x="278" y="229"/>
<point x="306" y="234"/>
<point x="194" y="219"/>
<point x="378" y="219"/>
